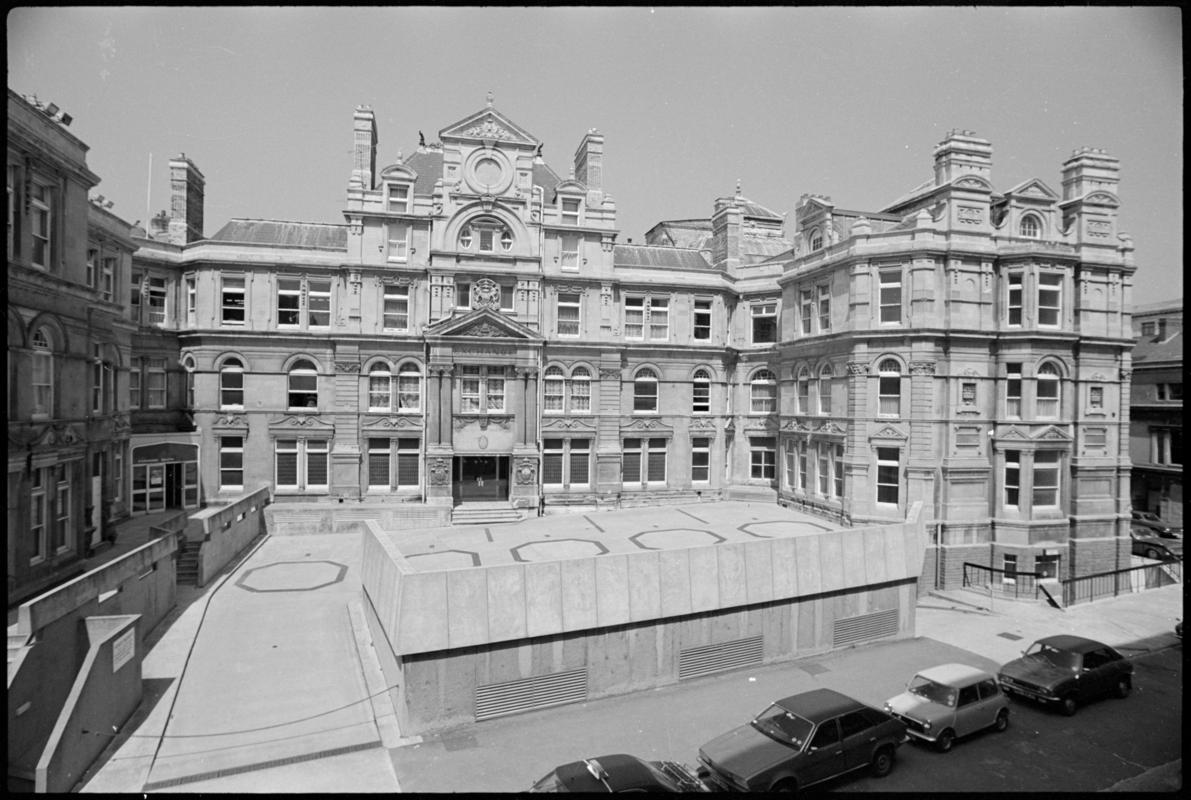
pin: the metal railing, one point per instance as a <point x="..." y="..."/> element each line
<point x="1008" y="584"/>
<point x="1086" y="588"/>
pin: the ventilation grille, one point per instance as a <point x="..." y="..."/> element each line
<point x="542" y="691"/>
<point x="865" y="627"/>
<point x="705" y="660"/>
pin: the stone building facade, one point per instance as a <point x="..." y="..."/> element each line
<point x="1156" y="410"/>
<point x="474" y="332"/>
<point x="69" y="348"/>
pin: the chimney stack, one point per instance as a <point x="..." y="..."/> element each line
<point x="187" y="188"/>
<point x="589" y="166"/>
<point x="364" y="159"/>
<point x="1090" y="169"/>
<point x="962" y="153"/>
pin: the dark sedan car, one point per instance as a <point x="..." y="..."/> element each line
<point x="619" y="773"/>
<point x="1151" y="545"/>
<point x="1160" y="527"/>
<point x="1067" y="671"/>
<point x="800" y="741"/>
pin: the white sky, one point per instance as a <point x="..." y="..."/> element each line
<point x="847" y="102"/>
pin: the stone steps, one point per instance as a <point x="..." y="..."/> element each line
<point x="485" y="514"/>
<point x="188" y="568"/>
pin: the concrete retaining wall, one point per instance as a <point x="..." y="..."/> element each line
<point x="105" y="694"/>
<point x="301" y="519"/>
<point x="224" y="531"/>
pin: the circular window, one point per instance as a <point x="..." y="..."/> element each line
<point x="488" y="172"/>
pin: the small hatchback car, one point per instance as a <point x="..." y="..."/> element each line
<point x="1066" y="671"/>
<point x="948" y="701"/>
<point x="802" y="740"/>
<point x="619" y="773"/>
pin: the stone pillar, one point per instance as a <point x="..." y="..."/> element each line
<point x="524" y="376"/>
<point x="345" y="446"/>
<point x="922" y="458"/>
<point x="531" y="407"/>
<point x="444" y="406"/>
<point x="856" y="455"/>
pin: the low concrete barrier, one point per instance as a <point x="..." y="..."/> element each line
<point x="223" y="532"/>
<point x="106" y="692"/>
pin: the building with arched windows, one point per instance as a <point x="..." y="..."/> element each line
<point x="474" y="332"/>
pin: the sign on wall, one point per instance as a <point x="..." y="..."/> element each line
<point x="123" y="649"/>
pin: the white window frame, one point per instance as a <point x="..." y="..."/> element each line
<point x="826" y="379"/>
<point x="39" y="515"/>
<point x="397" y="239"/>
<point x="645" y="402"/>
<point x="765" y="400"/>
<point x="700" y="459"/>
<point x="802" y="390"/>
<point x="41" y="224"/>
<point x="1013" y="390"/>
<point x="824" y="308"/>
<point x="823" y="469"/>
<point x="1048" y="379"/>
<point x="305" y="452"/>
<point x="701" y="392"/>
<point x="231" y="446"/>
<point x="554" y="383"/>
<point x="190" y="283"/>
<point x="1053" y="464"/>
<point x="579" y="400"/>
<point x="231" y="287"/>
<point x="1050" y="300"/>
<point x="837" y="470"/>
<point x="397" y="197"/>
<point x="566" y="453"/>
<point x="409" y="374"/>
<point x="568" y="252"/>
<point x="107" y="277"/>
<point x="134" y="384"/>
<point x="806" y="311"/>
<point x="394" y="298"/>
<point x="156" y="397"/>
<point x="232" y="366"/>
<point x="889" y="375"/>
<point x="43" y="374"/>
<point x="568" y="215"/>
<point x="654" y="319"/>
<point x="764" y="314"/>
<point x="296" y="371"/>
<point x="702" y="320"/>
<point x="889" y="281"/>
<point x="1012" y="479"/>
<point x="380" y="387"/>
<point x="482" y="389"/>
<point x="92" y="268"/>
<point x="762" y="458"/>
<point x="399" y="452"/>
<point x="644" y="448"/>
<point x="1030" y="227"/>
<point x="572" y="326"/>
<point x="60" y="533"/>
<point x="885" y="461"/>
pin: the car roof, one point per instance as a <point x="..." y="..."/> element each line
<point x="1076" y="644"/>
<point x="624" y="772"/>
<point x="954" y="674"/>
<point x="819" y="704"/>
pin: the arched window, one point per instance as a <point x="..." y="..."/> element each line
<point x="1030" y="227"/>
<point x="188" y="367"/>
<point x="486" y="235"/>
<point x="43" y="374"/>
<point x="231" y="384"/>
<point x="701" y="392"/>
<point x="553" y="386"/>
<point x="645" y="391"/>
<point x="380" y="388"/>
<point x="763" y="392"/>
<point x="803" y="382"/>
<point x="409" y="387"/>
<point x="303" y="385"/>
<point x="889" y="388"/>
<point x="825" y="376"/>
<point x="1048" y="391"/>
<point x="580" y="390"/>
<point x="816" y="239"/>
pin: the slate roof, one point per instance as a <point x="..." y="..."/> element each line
<point x="314" y="235"/>
<point x="756" y="210"/>
<point x="1149" y="351"/>
<point x="428" y="165"/>
<point x="648" y="255"/>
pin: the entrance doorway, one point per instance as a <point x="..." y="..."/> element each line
<point x="156" y="487"/>
<point x="481" y="478"/>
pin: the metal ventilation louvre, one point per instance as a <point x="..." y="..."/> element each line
<point x="526" y="694"/>
<point x="865" y="627"/>
<point x="697" y="661"/>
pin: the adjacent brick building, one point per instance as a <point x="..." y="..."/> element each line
<point x="1156" y="410"/>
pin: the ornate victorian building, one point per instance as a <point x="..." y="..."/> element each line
<point x="474" y="333"/>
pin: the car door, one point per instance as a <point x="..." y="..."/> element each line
<point x="991" y="702"/>
<point x="968" y="710"/>
<point x="824" y="756"/>
<point x="858" y="737"/>
<point x="1098" y="675"/>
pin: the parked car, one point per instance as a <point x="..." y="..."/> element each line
<point x="1147" y="543"/>
<point x="1148" y="519"/>
<point x="619" y="773"/>
<point x="802" y="740"/>
<point x="1067" y="671"/>
<point x="946" y="702"/>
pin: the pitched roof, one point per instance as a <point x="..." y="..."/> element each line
<point x="315" y="235"/>
<point x="650" y="255"/>
<point x="756" y="210"/>
<point x="428" y="165"/>
<point x="1149" y="350"/>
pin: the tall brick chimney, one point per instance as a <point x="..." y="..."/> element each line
<point x="725" y="234"/>
<point x="187" y="187"/>
<point x="962" y="153"/>
<point x="589" y="161"/>
<point x="364" y="158"/>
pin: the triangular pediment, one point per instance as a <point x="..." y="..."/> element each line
<point x="973" y="183"/>
<point x="488" y="124"/>
<point x="1034" y="189"/>
<point x="889" y="432"/>
<point x="1052" y="433"/>
<point x="1011" y="433"/>
<point x="483" y="322"/>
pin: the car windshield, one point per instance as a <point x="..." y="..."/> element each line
<point x="933" y="691"/>
<point x="662" y="777"/>
<point x="778" y="723"/>
<point x="1060" y="658"/>
<point x="550" y="783"/>
<point x="1148" y="516"/>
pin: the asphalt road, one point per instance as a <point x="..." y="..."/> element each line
<point x="1043" y="751"/>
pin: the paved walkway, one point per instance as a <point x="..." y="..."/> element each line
<point x="265" y="681"/>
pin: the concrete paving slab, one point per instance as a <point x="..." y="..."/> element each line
<point x="364" y="771"/>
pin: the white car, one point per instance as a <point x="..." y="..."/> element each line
<point x="948" y="701"/>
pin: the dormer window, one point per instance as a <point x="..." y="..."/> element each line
<point x="816" y="239"/>
<point x="1030" y="227"/>
<point x="398" y="199"/>
<point x="570" y="211"/>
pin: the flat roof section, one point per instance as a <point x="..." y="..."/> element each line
<point x="566" y="536"/>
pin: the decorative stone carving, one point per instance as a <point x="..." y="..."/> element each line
<point x="857" y="368"/>
<point x="549" y="423"/>
<point x="702" y="424"/>
<point x="526" y="471"/>
<point x="644" y="425"/>
<point x="489" y="129"/>
<point x="440" y="471"/>
<point x="1125" y="375"/>
<point x="1099" y="229"/>
<point x="231" y="421"/>
<point x="393" y="422"/>
<point x="610" y="374"/>
<point x="832" y="428"/>
<point x="888" y="432"/>
<point x="922" y="368"/>
<point x="483" y="421"/>
<point x="969" y="215"/>
<point x="485" y="293"/>
<point x="484" y="329"/>
<point x="347" y="366"/>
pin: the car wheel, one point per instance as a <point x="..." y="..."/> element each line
<point x="883" y="762"/>
<point x="945" y="741"/>
<point x="1124" y="685"/>
<point x="1151" y="553"/>
<point x="1068" y="705"/>
<point x="1002" y="721"/>
<point x="786" y="786"/>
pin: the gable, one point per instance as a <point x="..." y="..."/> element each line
<point x="488" y="125"/>
<point x="483" y="322"/>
